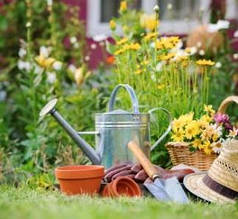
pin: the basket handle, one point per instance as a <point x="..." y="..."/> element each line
<point x="222" y="108"/>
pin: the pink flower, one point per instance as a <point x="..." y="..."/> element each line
<point x="223" y="119"/>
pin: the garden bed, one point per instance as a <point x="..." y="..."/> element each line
<point x="27" y="203"/>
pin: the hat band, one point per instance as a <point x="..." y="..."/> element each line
<point x="220" y="189"/>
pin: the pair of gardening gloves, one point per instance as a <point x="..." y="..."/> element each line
<point x="137" y="173"/>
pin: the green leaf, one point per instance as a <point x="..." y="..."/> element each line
<point x="3" y="23"/>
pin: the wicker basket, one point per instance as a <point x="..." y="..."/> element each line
<point x="179" y="151"/>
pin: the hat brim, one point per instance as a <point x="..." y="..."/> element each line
<point x="194" y="183"/>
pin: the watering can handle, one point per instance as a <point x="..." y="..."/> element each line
<point x="132" y="94"/>
<point x="167" y="130"/>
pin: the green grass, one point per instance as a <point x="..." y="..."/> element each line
<point x="23" y="203"/>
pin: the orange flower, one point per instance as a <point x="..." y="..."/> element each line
<point x="110" y="60"/>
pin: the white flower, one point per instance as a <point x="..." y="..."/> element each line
<point x="99" y="38"/>
<point x="21" y="52"/>
<point x="156" y="8"/>
<point x="73" y="39"/>
<point x="159" y="66"/>
<point x="236" y="33"/>
<point x="218" y="65"/>
<point x="87" y="58"/>
<point x="201" y="52"/>
<point x="169" y="6"/>
<point x="199" y="44"/>
<point x="76" y="45"/>
<point x="3" y="95"/>
<point x="28" y="24"/>
<point x="38" y="69"/>
<point x="51" y="77"/>
<point x="72" y="68"/>
<point x="49" y="2"/>
<point x="152" y="76"/>
<point x="93" y="46"/>
<point x="193" y="50"/>
<point x="235" y="55"/>
<point x="221" y="24"/>
<point x="57" y="65"/>
<point x="44" y="51"/>
<point x="23" y="65"/>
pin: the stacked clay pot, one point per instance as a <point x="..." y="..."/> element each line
<point x="122" y="186"/>
<point x="81" y="179"/>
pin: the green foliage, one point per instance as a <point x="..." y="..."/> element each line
<point x="28" y="144"/>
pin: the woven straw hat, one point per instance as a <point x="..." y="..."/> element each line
<point x="220" y="183"/>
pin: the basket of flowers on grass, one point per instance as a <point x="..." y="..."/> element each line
<point x="197" y="142"/>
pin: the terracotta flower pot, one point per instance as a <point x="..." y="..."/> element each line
<point x="122" y="186"/>
<point x="85" y="179"/>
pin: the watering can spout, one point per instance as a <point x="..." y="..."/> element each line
<point x="49" y="108"/>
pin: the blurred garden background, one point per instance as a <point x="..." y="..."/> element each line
<point x="180" y="56"/>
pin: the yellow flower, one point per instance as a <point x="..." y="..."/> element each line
<point x="134" y="46"/>
<point x="123" y="6"/>
<point x="122" y="41"/>
<point x="206" y="118"/>
<point x="112" y="25"/>
<point x="160" y="86"/>
<point x="145" y="62"/>
<point x="208" y="133"/>
<point x="207" y="149"/>
<point x="78" y="76"/>
<point x="44" y="62"/>
<point x="205" y="62"/>
<point x="174" y="39"/>
<point x="191" y="130"/>
<point x="158" y="45"/>
<point x="118" y="52"/>
<point x="187" y="118"/>
<point x="138" y="71"/>
<point x="166" y="57"/>
<point x="149" y="36"/>
<point x="178" y="136"/>
<point x="177" y="124"/>
<point x="149" y="21"/>
<point x="215" y="137"/>
<point x="209" y="110"/>
<point x="196" y="143"/>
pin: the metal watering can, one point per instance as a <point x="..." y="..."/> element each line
<point x="114" y="129"/>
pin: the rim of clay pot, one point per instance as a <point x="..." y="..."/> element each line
<point x="124" y="186"/>
<point x="79" y="171"/>
<point x="105" y="192"/>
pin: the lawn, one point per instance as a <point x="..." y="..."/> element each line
<point x="23" y="203"/>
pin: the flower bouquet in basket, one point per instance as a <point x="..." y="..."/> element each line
<point x="196" y="142"/>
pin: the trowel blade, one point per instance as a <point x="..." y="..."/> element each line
<point x="174" y="189"/>
<point x="158" y="191"/>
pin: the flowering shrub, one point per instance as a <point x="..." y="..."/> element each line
<point x="206" y="133"/>
<point x="161" y="70"/>
<point x="49" y="62"/>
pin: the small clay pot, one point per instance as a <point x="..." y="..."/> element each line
<point x="122" y="186"/>
<point x="82" y="179"/>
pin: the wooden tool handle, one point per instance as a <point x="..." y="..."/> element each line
<point x="144" y="161"/>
